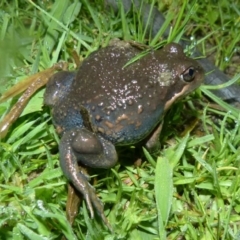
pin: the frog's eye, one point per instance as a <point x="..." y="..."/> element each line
<point x="189" y="74"/>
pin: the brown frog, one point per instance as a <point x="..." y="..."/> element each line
<point x="110" y="102"/>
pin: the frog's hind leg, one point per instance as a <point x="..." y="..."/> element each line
<point x="81" y="145"/>
<point x="31" y="85"/>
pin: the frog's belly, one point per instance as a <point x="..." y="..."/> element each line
<point x="124" y="128"/>
<point x="66" y="118"/>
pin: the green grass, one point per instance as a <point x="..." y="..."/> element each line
<point x="189" y="189"/>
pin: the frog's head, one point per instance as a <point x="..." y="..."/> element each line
<point x="185" y="76"/>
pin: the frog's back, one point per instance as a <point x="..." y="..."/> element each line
<point x="124" y="102"/>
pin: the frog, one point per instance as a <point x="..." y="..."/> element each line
<point x="118" y="97"/>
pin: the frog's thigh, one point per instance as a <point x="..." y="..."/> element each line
<point x="152" y="142"/>
<point x="92" y="150"/>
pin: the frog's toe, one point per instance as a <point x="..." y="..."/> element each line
<point x="88" y="200"/>
<point x="106" y="222"/>
<point x="93" y="201"/>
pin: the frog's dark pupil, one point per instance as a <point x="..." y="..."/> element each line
<point x="191" y="71"/>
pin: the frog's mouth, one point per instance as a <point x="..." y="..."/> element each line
<point x="177" y="96"/>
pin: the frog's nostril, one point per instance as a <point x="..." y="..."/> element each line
<point x="98" y="118"/>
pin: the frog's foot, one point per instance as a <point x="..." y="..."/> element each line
<point x="81" y="145"/>
<point x="80" y="182"/>
<point x="73" y="202"/>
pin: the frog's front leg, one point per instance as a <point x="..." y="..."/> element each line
<point x="85" y="147"/>
<point x="152" y="142"/>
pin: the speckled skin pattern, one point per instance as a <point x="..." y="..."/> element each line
<point x="106" y="103"/>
